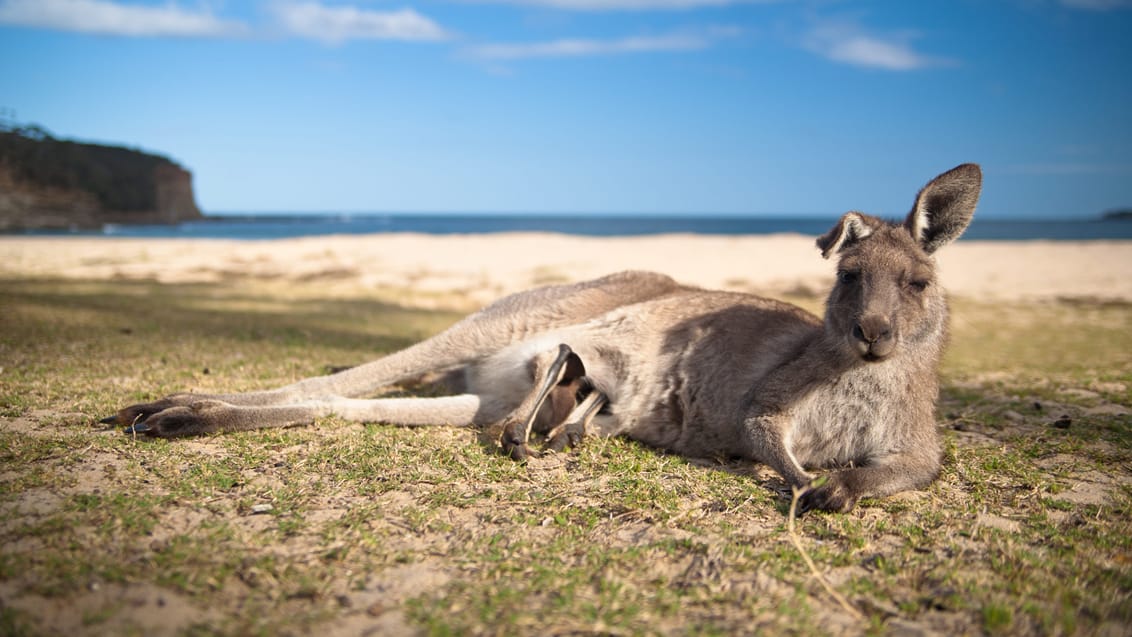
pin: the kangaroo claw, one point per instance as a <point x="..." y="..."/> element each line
<point x="521" y="453"/>
<point x="137" y="428"/>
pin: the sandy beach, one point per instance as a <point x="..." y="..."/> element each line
<point x="474" y="269"/>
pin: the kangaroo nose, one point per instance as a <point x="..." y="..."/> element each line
<point x="872" y="331"/>
<point x="874" y="337"/>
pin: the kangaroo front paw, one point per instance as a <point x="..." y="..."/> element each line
<point x="200" y="417"/>
<point x="831" y="494"/>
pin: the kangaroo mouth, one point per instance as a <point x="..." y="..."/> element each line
<point x="875" y="352"/>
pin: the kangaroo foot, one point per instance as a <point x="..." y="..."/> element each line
<point x="174" y="420"/>
<point x="139" y="413"/>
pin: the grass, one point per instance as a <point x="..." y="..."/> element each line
<point x="347" y="528"/>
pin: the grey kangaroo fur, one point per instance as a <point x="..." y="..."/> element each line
<point x="693" y="371"/>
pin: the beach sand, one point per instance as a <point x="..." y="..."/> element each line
<point x="470" y="270"/>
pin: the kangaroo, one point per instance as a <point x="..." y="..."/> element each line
<point x="692" y="371"/>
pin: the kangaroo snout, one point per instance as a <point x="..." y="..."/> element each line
<point x="874" y="337"/>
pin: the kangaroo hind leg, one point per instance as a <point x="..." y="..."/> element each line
<point x="211" y="416"/>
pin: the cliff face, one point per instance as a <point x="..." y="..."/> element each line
<point x="49" y="183"/>
<point x="174" y="193"/>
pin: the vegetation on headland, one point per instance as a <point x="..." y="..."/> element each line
<point x="340" y="528"/>
<point x="1120" y="214"/>
<point x="49" y="182"/>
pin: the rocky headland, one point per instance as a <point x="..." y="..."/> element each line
<point x="49" y="183"/>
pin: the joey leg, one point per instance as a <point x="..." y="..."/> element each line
<point x="571" y="432"/>
<point x="551" y="369"/>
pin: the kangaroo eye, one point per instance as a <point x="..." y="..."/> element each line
<point x="848" y="276"/>
<point x="918" y="285"/>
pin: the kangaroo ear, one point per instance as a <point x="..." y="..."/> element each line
<point x="945" y="206"/>
<point x="849" y="230"/>
<point x="574" y="368"/>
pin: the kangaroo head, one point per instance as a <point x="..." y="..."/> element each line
<point x="886" y="296"/>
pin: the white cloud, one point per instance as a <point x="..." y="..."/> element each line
<point x="847" y="44"/>
<point x="111" y="18"/>
<point x="334" y="24"/>
<point x="580" y="47"/>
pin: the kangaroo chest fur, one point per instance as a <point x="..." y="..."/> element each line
<point x="858" y="415"/>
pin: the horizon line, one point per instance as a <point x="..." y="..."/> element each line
<point x="590" y="214"/>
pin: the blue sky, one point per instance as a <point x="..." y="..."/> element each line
<point x="631" y="106"/>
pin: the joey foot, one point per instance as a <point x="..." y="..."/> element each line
<point x="566" y="435"/>
<point x="513" y="441"/>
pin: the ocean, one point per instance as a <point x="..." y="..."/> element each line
<point x="280" y="226"/>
